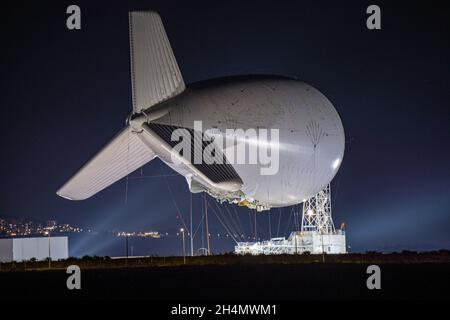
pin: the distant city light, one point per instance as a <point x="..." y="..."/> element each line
<point x="19" y="227"/>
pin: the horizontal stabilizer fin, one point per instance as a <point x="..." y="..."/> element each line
<point x="155" y="75"/>
<point x="123" y="155"/>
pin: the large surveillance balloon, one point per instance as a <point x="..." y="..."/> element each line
<point x="304" y="134"/>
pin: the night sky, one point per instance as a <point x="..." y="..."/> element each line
<point x="64" y="94"/>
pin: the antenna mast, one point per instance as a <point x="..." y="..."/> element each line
<point x="206" y="222"/>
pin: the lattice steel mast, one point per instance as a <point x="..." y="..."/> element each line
<point x="317" y="213"/>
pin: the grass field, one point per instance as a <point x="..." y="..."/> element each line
<point x="229" y="277"/>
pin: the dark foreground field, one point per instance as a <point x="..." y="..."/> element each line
<point x="254" y="278"/>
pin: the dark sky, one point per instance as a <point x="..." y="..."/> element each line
<point x="64" y="94"/>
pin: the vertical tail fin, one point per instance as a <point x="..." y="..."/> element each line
<point x="155" y="75"/>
